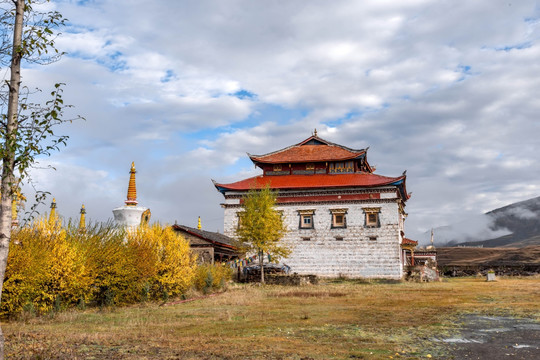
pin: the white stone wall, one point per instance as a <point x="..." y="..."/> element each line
<point x="354" y="256"/>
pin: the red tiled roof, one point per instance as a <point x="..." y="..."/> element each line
<point x="311" y="181"/>
<point x="313" y="149"/>
<point x="409" y="242"/>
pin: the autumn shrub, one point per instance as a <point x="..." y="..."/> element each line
<point x="212" y="277"/>
<point x="116" y="279"/>
<point x="51" y="267"/>
<point x="44" y="271"/>
<point x="164" y="260"/>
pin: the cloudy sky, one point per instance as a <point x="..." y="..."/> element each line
<point x="447" y="90"/>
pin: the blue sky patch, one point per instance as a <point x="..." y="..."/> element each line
<point x="113" y="62"/>
<point x="245" y="94"/>
<point x="465" y="70"/>
<point x="169" y="75"/>
<point x="521" y="46"/>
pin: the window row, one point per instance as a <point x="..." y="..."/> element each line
<point x="333" y="168"/>
<point x="339" y="218"/>
<point x="340" y="238"/>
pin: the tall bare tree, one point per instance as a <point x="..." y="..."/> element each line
<point x="26" y="128"/>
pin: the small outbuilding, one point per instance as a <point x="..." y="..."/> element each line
<point x="210" y="246"/>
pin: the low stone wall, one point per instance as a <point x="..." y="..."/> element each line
<point x="294" y="280"/>
<point x="421" y="273"/>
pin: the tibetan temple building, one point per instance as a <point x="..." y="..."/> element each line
<point x="343" y="219"/>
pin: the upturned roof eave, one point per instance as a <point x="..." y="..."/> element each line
<point x="250" y="182"/>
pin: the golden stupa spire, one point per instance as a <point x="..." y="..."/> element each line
<point x="199" y="224"/>
<point x="14" y="212"/>
<point x="82" y="222"/>
<point x="132" y="189"/>
<point x="18" y="199"/>
<point x="52" y="215"/>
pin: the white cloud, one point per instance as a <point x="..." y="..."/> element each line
<point x="445" y="90"/>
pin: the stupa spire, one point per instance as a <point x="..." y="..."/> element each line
<point x="14" y="212"/>
<point x="199" y="224"/>
<point x="132" y="189"/>
<point x="17" y="201"/>
<point x="52" y="215"/>
<point x="82" y="222"/>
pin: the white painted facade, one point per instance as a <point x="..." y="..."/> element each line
<point x="129" y="216"/>
<point x="355" y="251"/>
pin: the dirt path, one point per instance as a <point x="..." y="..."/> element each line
<point x="494" y="338"/>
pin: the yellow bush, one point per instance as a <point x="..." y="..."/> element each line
<point x="50" y="266"/>
<point x="44" y="270"/>
<point x="212" y="276"/>
<point x="116" y="279"/>
<point x="165" y="260"/>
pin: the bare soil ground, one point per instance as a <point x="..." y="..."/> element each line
<point x="494" y="338"/>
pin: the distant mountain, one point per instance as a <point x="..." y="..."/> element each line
<point x="520" y="221"/>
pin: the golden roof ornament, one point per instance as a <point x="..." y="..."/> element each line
<point x="145" y="217"/>
<point x="14" y="213"/>
<point x="82" y="222"/>
<point x="18" y="200"/>
<point x="132" y="189"/>
<point x="199" y="224"/>
<point x="52" y="215"/>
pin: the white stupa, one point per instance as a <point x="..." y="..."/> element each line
<point x="130" y="215"/>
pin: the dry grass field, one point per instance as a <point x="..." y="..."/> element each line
<point x="334" y="320"/>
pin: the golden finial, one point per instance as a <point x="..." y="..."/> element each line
<point x="132" y="189"/>
<point x="199" y="224"/>
<point x="145" y="217"/>
<point x="52" y="215"/>
<point x="18" y="201"/>
<point x="315" y="132"/>
<point x="14" y="213"/>
<point x="82" y="222"/>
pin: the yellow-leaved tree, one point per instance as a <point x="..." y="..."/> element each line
<point x="261" y="227"/>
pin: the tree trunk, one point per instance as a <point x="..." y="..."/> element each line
<point x="261" y="263"/>
<point x="8" y="159"/>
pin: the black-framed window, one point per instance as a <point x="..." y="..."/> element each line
<point x="339" y="218"/>
<point x="372" y="218"/>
